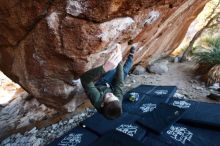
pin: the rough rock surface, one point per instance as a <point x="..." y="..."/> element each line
<point x="46" y="45"/>
<point x="44" y="136"/>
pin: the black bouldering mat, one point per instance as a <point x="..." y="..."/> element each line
<point x="100" y="125"/>
<point x="154" y="90"/>
<point x="184" y="135"/>
<point x="149" y="97"/>
<point x="133" y="130"/>
<point x="163" y="91"/>
<point x="125" y="124"/>
<point x="144" y="89"/>
<point x="200" y="114"/>
<point x="115" y="138"/>
<point x="76" y="137"/>
<point x="133" y="107"/>
<point x="148" y="104"/>
<point x="150" y="141"/>
<point x="161" y="118"/>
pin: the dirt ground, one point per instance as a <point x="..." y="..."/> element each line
<point x="180" y="75"/>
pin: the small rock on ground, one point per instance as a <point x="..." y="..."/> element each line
<point x="159" y="67"/>
<point x="139" y="70"/>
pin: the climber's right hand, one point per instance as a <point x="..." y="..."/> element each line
<point x="114" y="59"/>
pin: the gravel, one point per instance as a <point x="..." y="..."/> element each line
<point x="40" y="137"/>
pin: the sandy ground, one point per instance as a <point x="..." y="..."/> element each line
<point x="180" y="75"/>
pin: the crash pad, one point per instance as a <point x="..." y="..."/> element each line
<point x="125" y="124"/>
<point x="161" y="118"/>
<point x="184" y="135"/>
<point x="149" y="97"/>
<point x="115" y="138"/>
<point x="75" y="137"/>
<point x="199" y="114"/>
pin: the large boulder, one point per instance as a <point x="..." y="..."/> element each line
<point x="46" y="45"/>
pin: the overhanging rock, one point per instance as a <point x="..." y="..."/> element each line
<point x="46" y="45"/>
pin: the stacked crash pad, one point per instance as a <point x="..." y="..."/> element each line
<point x="199" y="114"/>
<point x="183" y="122"/>
<point x="149" y="97"/>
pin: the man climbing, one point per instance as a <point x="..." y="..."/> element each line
<point x="106" y="94"/>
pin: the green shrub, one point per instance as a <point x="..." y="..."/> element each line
<point x="208" y="55"/>
<point x="212" y="42"/>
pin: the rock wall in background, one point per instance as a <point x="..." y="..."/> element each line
<point x="45" y="45"/>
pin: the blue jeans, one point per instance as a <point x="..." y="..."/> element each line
<point x="109" y="76"/>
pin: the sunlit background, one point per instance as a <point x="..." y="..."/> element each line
<point x="8" y="89"/>
<point x="198" y="24"/>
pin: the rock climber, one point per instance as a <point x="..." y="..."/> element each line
<point x="103" y="85"/>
